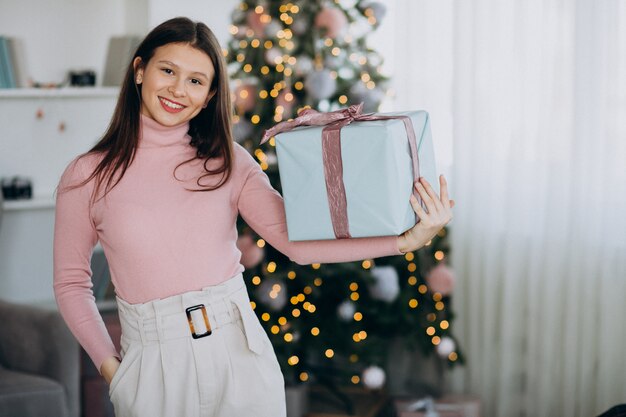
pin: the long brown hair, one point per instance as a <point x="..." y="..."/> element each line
<point x="210" y="130"/>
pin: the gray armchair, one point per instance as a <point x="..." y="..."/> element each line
<point x="39" y="363"/>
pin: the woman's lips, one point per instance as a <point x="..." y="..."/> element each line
<point x="171" y="106"/>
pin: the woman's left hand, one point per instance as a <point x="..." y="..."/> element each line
<point x="432" y="221"/>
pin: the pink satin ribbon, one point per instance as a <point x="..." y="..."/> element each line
<point x="331" y="154"/>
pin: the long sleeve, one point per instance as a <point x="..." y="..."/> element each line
<point x="261" y="206"/>
<point x="74" y="239"/>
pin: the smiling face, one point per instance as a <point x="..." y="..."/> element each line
<point x="175" y="84"/>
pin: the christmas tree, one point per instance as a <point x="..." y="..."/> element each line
<point x="331" y="323"/>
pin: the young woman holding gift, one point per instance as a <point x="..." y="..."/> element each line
<point x="161" y="191"/>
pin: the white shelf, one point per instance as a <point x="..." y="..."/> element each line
<point x="36" y="203"/>
<point x="59" y="92"/>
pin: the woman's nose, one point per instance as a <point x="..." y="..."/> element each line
<point x="177" y="88"/>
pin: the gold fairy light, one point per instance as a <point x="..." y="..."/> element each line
<point x="366" y="264"/>
<point x="260" y="243"/>
<point x="304" y="376"/>
<point x="271" y="267"/>
<point x="300" y="297"/>
<point x="278" y="117"/>
<point x="412" y="280"/>
<point x="276" y="287"/>
<point x="453" y="356"/>
<point x="307" y="290"/>
<point x="358" y="316"/>
<point x="362" y="60"/>
<point x="355" y="379"/>
<point x="423" y="289"/>
<point x="316" y="266"/>
<point x="354" y="296"/>
<point x="283" y="8"/>
<point x="411" y="267"/>
<point x="317" y="282"/>
<point x="255" y="119"/>
<point x="437" y="296"/>
<point x="354" y="286"/>
<point x="436" y="340"/>
<point x="241" y="57"/>
<point x="335" y="51"/>
<point x="294" y="300"/>
<point x="370" y="85"/>
<point x="255" y="43"/>
<point x="266" y="18"/>
<point x="275" y="329"/>
<point x="328" y="42"/>
<point x="315" y="331"/>
<point x="258" y="9"/>
<point x="233" y="30"/>
<point x="439" y="306"/>
<point x="365" y="77"/>
<point x="444" y="324"/>
<point x="274" y="93"/>
<point x="295" y="312"/>
<point x="431" y="317"/>
<point x="282" y="320"/>
<point x="306" y="305"/>
<point x="291" y="274"/>
<point x="249" y="33"/>
<point x="253" y="305"/>
<point x="243" y="6"/>
<point x="312" y="308"/>
<point x="294" y="9"/>
<point x="265" y="316"/>
<point x="299" y="85"/>
<point x="343" y="99"/>
<point x="329" y="353"/>
<point x="268" y="44"/>
<point x="356" y="337"/>
<point x="409" y="256"/>
<point x="363" y="334"/>
<point x="264" y="165"/>
<point x="263" y="94"/>
<point x="293" y="360"/>
<point x="413" y="303"/>
<point x="256" y="280"/>
<point x="247" y="68"/>
<point x="354" y="358"/>
<point x="243" y="43"/>
<point x="280" y="68"/>
<point x="288" y="337"/>
<point x="430" y="331"/>
<point x="439" y="255"/>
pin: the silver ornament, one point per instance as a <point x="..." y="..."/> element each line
<point x="320" y="84"/>
<point x="346" y="310"/>
<point x="387" y="286"/>
<point x="373" y="377"/>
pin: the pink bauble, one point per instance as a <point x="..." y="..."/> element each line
<point x="251" y="253"/>
<point x="245" y="97"/>
<point x="287" y="105"/>
<point x="441" y="279"/>
<point x="254" y="21"/>
<point x="333" y="20"/>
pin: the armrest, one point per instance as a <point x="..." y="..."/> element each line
<point x="37" y="341"/>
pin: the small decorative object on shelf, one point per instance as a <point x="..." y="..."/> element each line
<point x="82" y="78"/>
<point x="16" y="188"/>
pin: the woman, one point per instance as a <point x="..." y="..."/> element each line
<point x="161" y="191"/>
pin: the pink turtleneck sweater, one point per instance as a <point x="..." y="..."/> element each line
<point x="161" y="239"/>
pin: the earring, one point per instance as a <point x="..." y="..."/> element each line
<point x="138" y="80"/>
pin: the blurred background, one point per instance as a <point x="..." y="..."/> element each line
<point x="527" y="105"/>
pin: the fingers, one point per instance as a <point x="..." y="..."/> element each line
<point x="443" y="186"/>
<point x="429" y="195"/>
<point x="417" y="207"/>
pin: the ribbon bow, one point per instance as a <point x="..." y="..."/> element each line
<point x="331" y="153"/>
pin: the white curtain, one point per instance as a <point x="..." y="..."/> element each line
<point x="537" y="103"/>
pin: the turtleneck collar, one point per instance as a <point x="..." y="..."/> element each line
<point x="152" y="134"/>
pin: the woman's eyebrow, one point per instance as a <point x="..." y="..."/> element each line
<point x="176" y="66"/>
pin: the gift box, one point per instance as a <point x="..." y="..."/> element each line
<point x="446" y="406"/>
<point x="345" y="174"/>
<point x="364" y="403"/>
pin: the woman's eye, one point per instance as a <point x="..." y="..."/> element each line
<point x="195" y="81"/>
<point x="167" y="71"/>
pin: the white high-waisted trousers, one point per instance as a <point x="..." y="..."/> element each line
<point x="166" y="372"/>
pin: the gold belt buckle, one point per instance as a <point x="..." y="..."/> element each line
<point x="206" y="321"/>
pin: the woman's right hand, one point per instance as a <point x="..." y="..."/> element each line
<point x="109" y="367"/>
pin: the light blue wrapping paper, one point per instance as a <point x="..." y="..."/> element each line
<point x="377" y="175"/>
